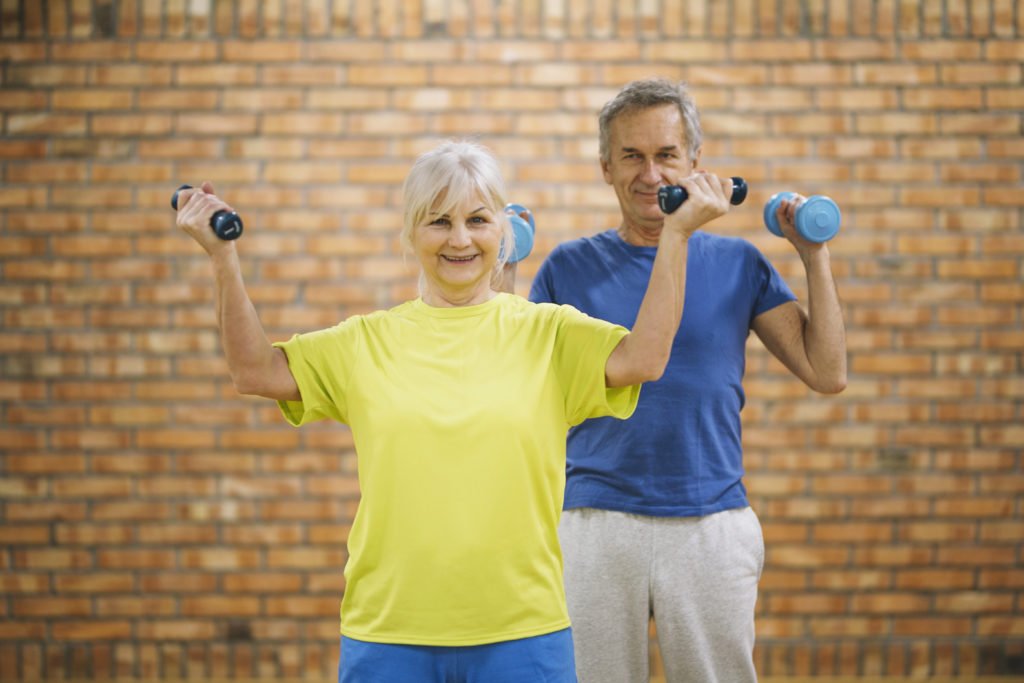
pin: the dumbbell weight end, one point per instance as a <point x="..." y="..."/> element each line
<point x="522" y="230"/>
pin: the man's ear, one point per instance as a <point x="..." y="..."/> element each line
<point x="606" y="172"/>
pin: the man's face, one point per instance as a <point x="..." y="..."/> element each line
<point x="647" y="150"/>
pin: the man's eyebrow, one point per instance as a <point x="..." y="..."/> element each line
<point x="666" y="148"/>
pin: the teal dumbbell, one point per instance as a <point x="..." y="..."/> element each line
<point x="522" y="229"/>
<point x="816" y="220"/>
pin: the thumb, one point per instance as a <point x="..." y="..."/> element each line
<point x="207" y="187"/>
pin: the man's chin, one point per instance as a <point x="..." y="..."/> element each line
<point x="650" y="215"/>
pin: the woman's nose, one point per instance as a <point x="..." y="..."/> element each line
<point x="459" y="235"/>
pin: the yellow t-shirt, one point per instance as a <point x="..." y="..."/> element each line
<point x="459" y="417"/>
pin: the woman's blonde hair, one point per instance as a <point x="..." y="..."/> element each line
<point x="446" y="176"/>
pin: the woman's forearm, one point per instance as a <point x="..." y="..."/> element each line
<point x="643" y="354"/>
<point x="256" y="367"/>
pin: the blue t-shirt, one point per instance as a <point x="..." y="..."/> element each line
<point x="680" y="454"/>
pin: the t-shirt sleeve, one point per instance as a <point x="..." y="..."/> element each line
<point x="771" y="289"/>
<point x="321" y="363"/>
<point x="582" y="347"/>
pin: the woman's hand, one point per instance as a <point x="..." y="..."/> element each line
<point x="195" y="208"/>
<point x="708" y="198"/>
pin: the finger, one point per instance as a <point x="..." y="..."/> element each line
<point x="782" y="212"/>
<point x="207" y="187"/>
<point x="207" y="203"/>
<point x="712" y="186"/>
<point x="524" y="214"/>
<point x="184" y="196"/>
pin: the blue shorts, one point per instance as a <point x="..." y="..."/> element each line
<point x="540" y="659"/>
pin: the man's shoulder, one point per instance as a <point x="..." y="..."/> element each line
<point x="727" y="246"/>
<point x="589" y="245"/>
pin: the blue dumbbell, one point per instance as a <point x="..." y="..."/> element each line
<point x="816" y="220"/>
<point x="523" y="231"/>
<point x="227" y="224"/>
<point x="671" y="197"/>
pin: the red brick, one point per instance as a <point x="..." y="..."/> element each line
<point x="300" y="606"/>
<point x="178" y="582"/>
<point x="53" y="559"/>
<point x="220" y="605"/>
<point x="35" y="630"/>
<point x="22" y="534"/>
<point x="134" y="606"/>
<point x="263" y="582"/>
<point x="851" y="626"/>
<point x="176" y="629"/>
<point x="52" y="606"/>
<point x="44" y="510"/>
<point x="92" y="630"/>
<point x="14" y="583"/>
<point x="149" y="559"/>
<point x="806" y="556"/>
<point x="94" y="583"/>
<point x="931" y="626"/>
<point x="889" y="603"/>
<point x="220" y="559"/>
<point x="807" y="603"/>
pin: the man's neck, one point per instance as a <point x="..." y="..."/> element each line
<point x="639" y="235"/>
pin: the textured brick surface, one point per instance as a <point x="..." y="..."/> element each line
<point x="155" y="524"/>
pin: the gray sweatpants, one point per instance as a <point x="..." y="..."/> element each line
<point x="697" y="576"/>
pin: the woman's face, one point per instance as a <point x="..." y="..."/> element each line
<point x="457" y="252"/>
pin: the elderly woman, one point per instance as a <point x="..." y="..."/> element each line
<point x="459" y="402"/>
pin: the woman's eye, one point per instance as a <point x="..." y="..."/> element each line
<point x="440" y="222"/>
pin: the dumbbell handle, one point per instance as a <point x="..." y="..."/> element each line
<point x="671" y="197"/>
<point x="226" y="224"/>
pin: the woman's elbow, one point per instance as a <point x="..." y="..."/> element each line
<point x="653" y="370"/>
<point x="656" y="373"/>
<point x="247" y="384"/>
<point x="832" y="385"/>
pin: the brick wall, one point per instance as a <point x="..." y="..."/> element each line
<point x="156" y="524"/>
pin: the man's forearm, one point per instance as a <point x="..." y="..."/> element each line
<point x="825" y="336"/>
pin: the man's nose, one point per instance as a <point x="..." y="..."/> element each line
<point x="651" y="173"/>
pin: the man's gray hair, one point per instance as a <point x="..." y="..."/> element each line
<point x="645" y="94"/>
